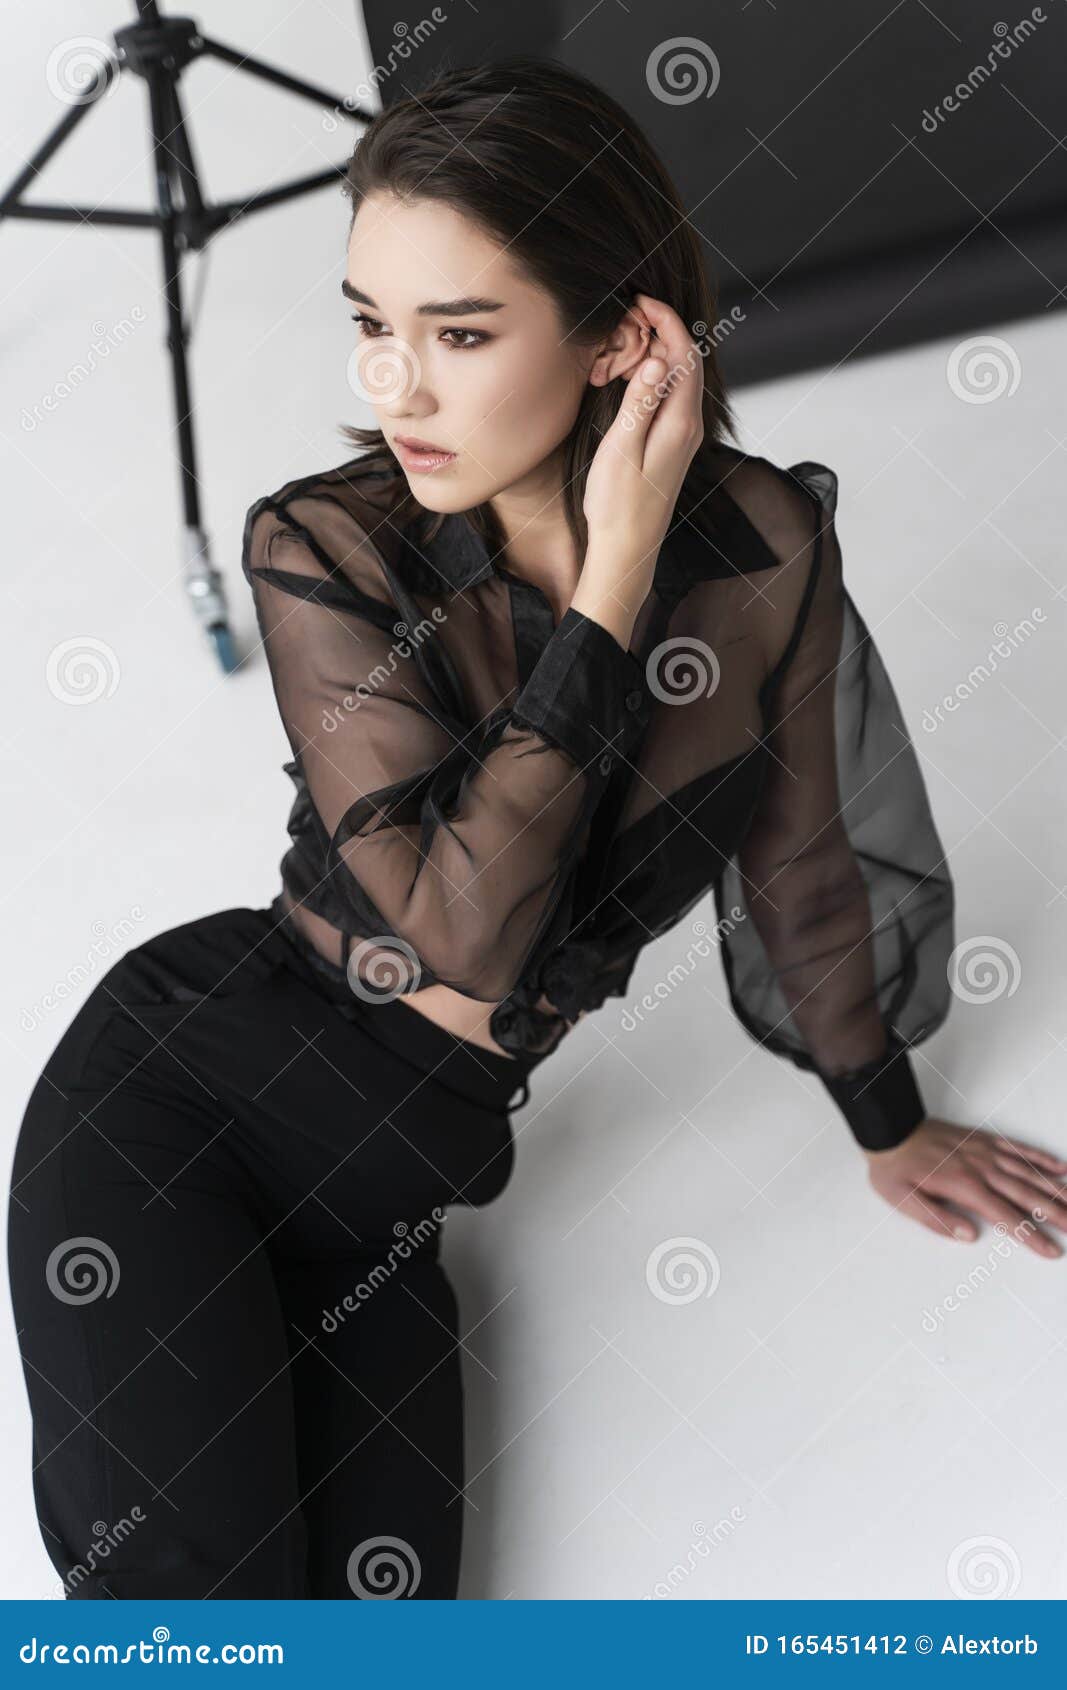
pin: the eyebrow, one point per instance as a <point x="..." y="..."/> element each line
<point x="433" y="307"/>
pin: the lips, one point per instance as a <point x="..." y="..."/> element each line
<point x="422" y="459"/>
<point x="414" y="445"/>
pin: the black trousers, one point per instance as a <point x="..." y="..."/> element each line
<point x="241" y="1349"/>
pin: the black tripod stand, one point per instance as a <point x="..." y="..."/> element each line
<point x="158" y="49"/>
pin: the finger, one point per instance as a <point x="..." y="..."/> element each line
<point x="671" y="333"/>
<point x="1043" y="1158"/>
<point x="937" y="1217"/>
<point x="640" y="402"/>
<point x="680" y="413"/>
<point x="1036" y="1202"/>
<point x="1020" y="1222"/>
<point x="684" y="378"/>
<point x="1021" y="1169"/>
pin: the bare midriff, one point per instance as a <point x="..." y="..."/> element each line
<point x="463" y="1017"/>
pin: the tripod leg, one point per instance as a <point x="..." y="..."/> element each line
<point x="180" y="146"/>
<point x="281" y="79"/>
<point x="51" y="144"/>
<point x="171" y="154"/>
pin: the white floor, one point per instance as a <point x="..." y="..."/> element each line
<point x="820" y="1425"/>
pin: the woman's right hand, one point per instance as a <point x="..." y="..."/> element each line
<point x="642" y="460"/>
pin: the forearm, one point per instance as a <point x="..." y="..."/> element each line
<point x="822" y="958"/>
<point x="818" y="943"/>
<point x="465" y="861"/>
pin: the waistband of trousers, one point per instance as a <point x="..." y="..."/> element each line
<point x="482" y="1076"/>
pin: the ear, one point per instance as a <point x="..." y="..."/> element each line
<point x="624" y="350"/>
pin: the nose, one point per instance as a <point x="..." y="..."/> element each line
<point x="406" y="393"/>
<point x="417" y="404"/>
<point x="410" y="408"/>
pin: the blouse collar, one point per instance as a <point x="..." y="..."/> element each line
<point x="460" y="556"/>
<point x="458" y="552"/>
<point x="718" y="542"/>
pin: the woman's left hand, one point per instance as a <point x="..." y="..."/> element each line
<point x="941" y="1169"/>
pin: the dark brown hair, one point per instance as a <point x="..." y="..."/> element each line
<point x="550" y="166"/>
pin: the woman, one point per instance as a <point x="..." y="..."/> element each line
<point x="554" y="659"/>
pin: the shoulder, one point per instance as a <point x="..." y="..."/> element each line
<point x="340" y="516"/>
<point x="364" y="485"/>
<point x="776" y="524"/>
<point x="770" y="513"/>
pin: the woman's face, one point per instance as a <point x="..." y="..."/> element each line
<point x="498" y="386"/>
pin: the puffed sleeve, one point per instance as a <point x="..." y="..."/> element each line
<point x="841" y="960"/>
<point x="451" y="844"/>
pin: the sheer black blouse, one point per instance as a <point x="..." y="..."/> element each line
<point x="514" y="808"/>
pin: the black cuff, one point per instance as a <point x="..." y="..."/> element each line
<point x="587" y="695"/>
<point x="881" y="1101"/>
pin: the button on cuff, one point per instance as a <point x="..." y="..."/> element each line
<point x="585" y="694"/>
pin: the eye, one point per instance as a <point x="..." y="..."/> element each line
<point x="366" y="322"/>
<point x="371" y="328"/>
<point x="475" y="337"/>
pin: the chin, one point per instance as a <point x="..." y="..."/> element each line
<point x="438" y="498"/>
<point x="441" y="493"/>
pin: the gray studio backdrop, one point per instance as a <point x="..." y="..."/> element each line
<point x="863" y="176"/>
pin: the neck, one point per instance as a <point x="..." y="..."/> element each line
<point x="539" y="544"/>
